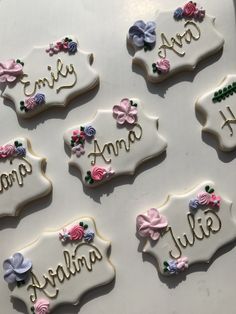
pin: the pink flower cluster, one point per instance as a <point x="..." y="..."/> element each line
<point x="189" y="11"/>
<point x="76" y="232"/>
<point x="205" y="198"/>
<point x="66" y="45"/>
<point x="98" y="174"/>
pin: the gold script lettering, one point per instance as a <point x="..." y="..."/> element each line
<point x="30" y="88"/>
<point x="7" y="179"/>
<point x="175" y="43"/>
<point x="197" y="232"/>
<point x="109" y="148"/>
<point x="73" y="264"/>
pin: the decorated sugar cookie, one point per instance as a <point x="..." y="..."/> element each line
<point x="115" y="142"/>
<point x="48" y="76"/>
<point x="59" y="267"/>
<point x="187" y="229"/>
<point x="22" y="178"/>
<point x="219" y="110"/>
<point x="174" y="41"/>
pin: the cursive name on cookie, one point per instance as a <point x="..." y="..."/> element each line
<point x="8" y="179"/>
<point x="199" y="230"/>
<point x="114" y="148"/>
<point x="30" y="88"/>
<point x="73" y="264"/>
<point x="175" y="44"/>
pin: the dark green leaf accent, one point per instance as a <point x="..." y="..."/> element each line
<point x="226" y="92"/>
<point x="165" y="263"/>
<point x="131" y="102"/>
<point x="16" y="143"/>
<point x="22" y="103"/>
<point x="81" y="224"/>
<point x="207" y="188"/>
<point x="85" y="226"/>
<point x="165" y="270"/>
<point x="211" y="191"/>
<point x="17" y="60"/>
<point x="91" y="181"/>
<point x="81" y="128"/>
<point x="89" y="173"/>
<point x="87" y="178"/>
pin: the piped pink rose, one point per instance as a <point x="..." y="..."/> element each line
<point x="151" y="224"/>
<point x="204" y="198"/>
<point x="189" y="9"/>
<point x="10" y="70"/>
<point x="125" y="112"/>
<point x="98" y="173"/>
<point x="163" y="66"/>
<point x="7" y="151"/>
<point x="76" y="232"/>
<point x="41" y="307"/>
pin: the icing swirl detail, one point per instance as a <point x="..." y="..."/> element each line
<point x="41" y="307"/>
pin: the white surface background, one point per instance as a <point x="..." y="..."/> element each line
<point x="101" y="28"/>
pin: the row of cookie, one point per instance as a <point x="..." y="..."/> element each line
<point x="185" y="230"/>
<point x="52" y="75"/>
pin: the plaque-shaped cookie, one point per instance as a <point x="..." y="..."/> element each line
<point x="189" y="228"/>
<point x="218" y="108"/>
<point x="59" y="267"/>
<point x="115" y="142"/>
<point x="174" y="41"/>
<point x="48" y="76"/>
<point x="22" y="177"/>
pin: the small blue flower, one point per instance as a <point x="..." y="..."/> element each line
<point x="72" y="47"/>
<point x="178" y="14"/>
<point x="194" y="204"/>
<point x="20" y="151"/>
<point x="172" y="267"/>
<point x="88" y="236"/>
<point x="16" y="268"/>
<point x="89" y="131"/>
<point x="39" y="98"/>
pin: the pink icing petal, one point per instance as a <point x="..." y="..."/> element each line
<point x="125" y="105"/>
<point x="121" y="118"/>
